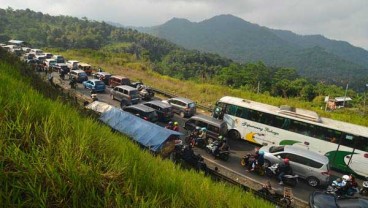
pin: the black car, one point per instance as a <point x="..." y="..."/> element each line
<point x="103" y="76"/>
<point x="142" y="111"/>
<point x="164" y="110"/>
<point x="319" y="199"/>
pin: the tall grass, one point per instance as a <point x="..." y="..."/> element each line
<point x="52" y="156"/>
<point x="204" y="93"/>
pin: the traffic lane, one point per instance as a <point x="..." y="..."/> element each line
<point x="238" y="149"/>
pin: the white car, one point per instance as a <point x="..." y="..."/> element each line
<point x="311" y="166"/>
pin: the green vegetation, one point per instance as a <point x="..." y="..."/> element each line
<point x="53" y="155"/>
<point x="207" y="93"/>
<point x="313" y="56"/>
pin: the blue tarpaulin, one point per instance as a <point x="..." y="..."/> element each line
<point x="146" y="133"/>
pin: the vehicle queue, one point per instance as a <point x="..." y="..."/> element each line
<point x="125" y="92"/>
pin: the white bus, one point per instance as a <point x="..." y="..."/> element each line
<point x="345" y="144"/>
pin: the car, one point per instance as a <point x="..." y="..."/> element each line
<point x="116" y="80"/>
<point x="85" y="67"/>
<point x="95" y="85"/>
<point x="79" y="75"/>
<point x="308" y="165"/>
<point x="182" y="106"/>
<point x="143" y="111"/>
<point x="59" y="58"/>
<point x="164" y="110"/>
<point x="127" y="95"/>
<point x="61" y="67"/>
<point x="103" y="76"/>
<point x="214" y="127"/>
<point x="72" y="64"/>
<point x="320" y="199"/>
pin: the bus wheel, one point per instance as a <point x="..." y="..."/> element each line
<point x="234" y="134"/>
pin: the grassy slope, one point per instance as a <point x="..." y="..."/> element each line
<point x="206" y="94"/>
<point x="52" y="156"/>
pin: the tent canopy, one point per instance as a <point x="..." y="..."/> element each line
<point x="146" y="133"/>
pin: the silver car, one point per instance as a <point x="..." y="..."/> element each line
<point x="311" y="166"/>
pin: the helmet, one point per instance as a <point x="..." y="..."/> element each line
<point x="262" y="153"/>
<point x="345" y="177"/>
<point x="204" y="129"/>
<point x="170" y="123"/>
<point x="220" y="137"/>
<point x="197" y="128"/>
<point x="286" y="161"/>
<point x="176" y="123"/>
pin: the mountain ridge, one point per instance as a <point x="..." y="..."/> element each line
<point x="242" y="41"/>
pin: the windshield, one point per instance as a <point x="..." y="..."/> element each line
<point x="191" y="105"/>
<point x="82" y="74"/>
<point x="99" y="83"/>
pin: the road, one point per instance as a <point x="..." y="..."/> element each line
<point x="237" y="148"/>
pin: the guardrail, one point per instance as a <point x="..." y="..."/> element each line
<point x="170" y="95"/>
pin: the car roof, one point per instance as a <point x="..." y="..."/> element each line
<point x="185" y="100"/>
<point x="141" y="107"/>
<point x="304" y="152"/>
<point x="78" y="71"/>
<point x="160" y="103"/>
<point x="95" y="80"/>
<point x="104" y="73"/>
<point x="208" y="119"/>
<point x="120" y="77"/>
<point x="127" y="87"/>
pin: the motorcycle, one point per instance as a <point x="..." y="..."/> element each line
<point x="222" y="154"/>
<point x="276" y="195"/>
<point x="247" y="161"/>
<point x="273" y="171"/>
<point x="195" y="141"/>
<point x="364" y="190"/>
<point x="73" y="84"/>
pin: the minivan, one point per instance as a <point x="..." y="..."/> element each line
<point x="127" y="95"/>
<point x="142" y="111"/>
<point x="79" y="75"/>
<point x="164" y="110"/>
<point x="182" y="106"/>
<point x="308" y="165"/>
<point x="72" y="64"/>
<point x="214" y="127"/>
<point x="118" y="80"/>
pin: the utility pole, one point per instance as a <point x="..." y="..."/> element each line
<point x="346" y="91"/>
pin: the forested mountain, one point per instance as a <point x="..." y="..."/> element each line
<point x="314" y="57"/>
<point x="164" y="57"/>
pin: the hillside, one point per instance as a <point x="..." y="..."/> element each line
<point x="53" y="154"/>
<point x="336" y="62"/>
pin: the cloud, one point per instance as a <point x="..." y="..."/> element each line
<point x="336" y="19"/>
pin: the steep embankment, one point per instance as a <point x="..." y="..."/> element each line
<point x="53" y="155"/>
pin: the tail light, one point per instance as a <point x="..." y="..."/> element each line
<point x="129" y="98"/>
<point x="326" y="173"/>
<point x="145" y="118"/>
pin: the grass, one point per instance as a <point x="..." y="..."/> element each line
<point x="52" y="155"/>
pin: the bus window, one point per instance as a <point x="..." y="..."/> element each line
<point x="231" y="109"/>
<point x="348" y="140"/>
<point x="286" y="124"/>
<point x="361" y="143"/>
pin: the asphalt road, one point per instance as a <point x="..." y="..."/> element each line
<point x="237" y="148"/>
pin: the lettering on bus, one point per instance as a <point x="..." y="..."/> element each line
<point x="245" y="124"/>
<point x="271" y="131"/>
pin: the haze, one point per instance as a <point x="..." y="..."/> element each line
<point x="334" y="19"/>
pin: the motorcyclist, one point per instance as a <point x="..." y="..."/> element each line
<point x="176" y="126"/>
<point x="170" y="125"/>
<point x="203" y="135"/>
<point x="259" y="159"/>
<point x="284" y="169"/>
<point x="221" y="146"/>
<point x="73" y="83"/>
<point x="188" y="155"/>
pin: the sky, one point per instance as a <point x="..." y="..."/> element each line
<point x="345" y="20"/>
